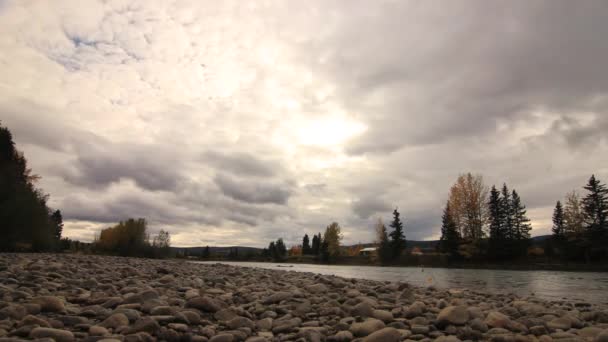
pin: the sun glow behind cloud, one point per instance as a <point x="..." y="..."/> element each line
<point x="330" y="131"/>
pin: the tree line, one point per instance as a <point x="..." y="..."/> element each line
<point x="478" y="223"/>
<point x="131" y="238"/>
<point x="580" y="227"/>
<point x="324" y="248"/>
<point x="481" y="224"/>
<point x="27" y="222"/>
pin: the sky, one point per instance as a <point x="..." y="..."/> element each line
<point x="239" y="122"/>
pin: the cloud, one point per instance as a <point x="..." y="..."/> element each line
<point x="365" y="208"/>
<point x="252" y="191"/>
<point x="242" y="164"/>
<point x="224" y="127"/>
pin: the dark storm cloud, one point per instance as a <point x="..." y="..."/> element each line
<point x="253" y="191"/>
<point x="242" y="164"/>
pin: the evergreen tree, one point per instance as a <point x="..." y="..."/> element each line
<point x="206" y="253"/>
<point x="450" y="238"/>
<point x="316" y="244"/>
<point x="306" y="249"/>
<point x="521" y="226"/>
<point x="280" y="250"/>
<point x="24" y="215"/>
<point x="397" y="241"/>
<point x="508" y="214"/>
<point x="324" y="251"/>
<point x="57" y="221"/>
<point x="496" y="219"/>
<point x="272" y="250"/>
<point x="495" y="215"/>
<point x="558" y="229"/>
<point x="595" y="211"/>
<point x="384" y="248"/>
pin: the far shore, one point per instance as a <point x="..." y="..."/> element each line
<point x="565" y="267"/>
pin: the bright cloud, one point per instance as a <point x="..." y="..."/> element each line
<point x="231" y="123"/>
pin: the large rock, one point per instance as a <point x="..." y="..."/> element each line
<point x="447" y="339"/>
<point x="145" y="324"/>
<point x="34" y="320"/>
<point x="414" y="310"/>
<point x="562" y="323"/>
<point x="205" y="304"/>
<point x="384" y="335"/>
<point x="13" y="311"/>
<point x="56" y="334"/>
<point x="240" y="322"/>
<point x="49" y="303"/>
<point x="115" y="321"/>
<point x="366" y="327"/>
<point x="142" y="296"/>
<point x="383" y="315"/>
<point x="342" y="336"/>
<point x="602" y="337"/>
<point x="317" y="288"/>
<point x="496" y="319"/>
<point x="97" y="330"/>
<point x="222" y="338"/>
<point x="363" y="309"/>
<point x="277" y="297"/>
<point x="457" y="315"/>
<point x="589" y="333"/>
<point x="225" y="315"/>
<point x="264" y="323"/>
<point x="287" y="325"/>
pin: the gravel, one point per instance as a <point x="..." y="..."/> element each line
<point x="64" y="297"/>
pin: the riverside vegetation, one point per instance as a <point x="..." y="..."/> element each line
<point x="104" y="298"/>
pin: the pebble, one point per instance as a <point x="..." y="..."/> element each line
<point x="67" y="297"/>
<point x="55" y="334"/>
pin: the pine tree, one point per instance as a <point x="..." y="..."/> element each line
<point x="558" y="229"/>
<point x="316" y="244"/>
<point x="508" y="214"/>
<point x="397" y="241"/>
<point x="57" y="221"/>
<point x="24" y="215"/>
<point x="521" y="225"/>
<point x="384" y="247"/>
<point x="450" y="238"/>
<point x="206" y="253"/>
<point x="496" y="219"/>
<point x="495" y="210"/>
<point x="595" y="211"/>
<point x="272" y="250"/>
<point x="306" y="245"/>
<point x="281" y="250"/>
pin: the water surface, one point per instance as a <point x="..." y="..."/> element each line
<point x="591" y="287"/>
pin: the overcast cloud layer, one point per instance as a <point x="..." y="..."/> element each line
<point x="234" y="123"/>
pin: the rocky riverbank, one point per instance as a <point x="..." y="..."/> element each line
<point x="97" y="298"/>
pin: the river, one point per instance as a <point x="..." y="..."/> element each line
<point x="591" y="287"/>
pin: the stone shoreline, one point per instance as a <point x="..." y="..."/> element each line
<point x="100" y="298"/>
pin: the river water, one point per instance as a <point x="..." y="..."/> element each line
<point x="591" y="287"/>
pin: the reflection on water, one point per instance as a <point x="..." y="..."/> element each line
<point x="590" y="287"/>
